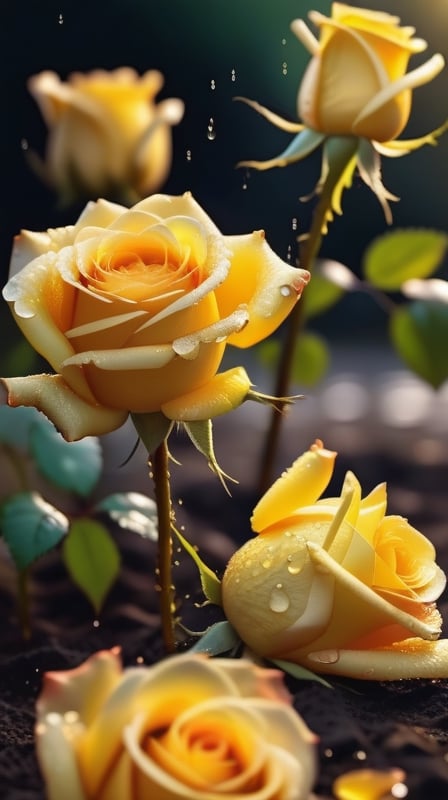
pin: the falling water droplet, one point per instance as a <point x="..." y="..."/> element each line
<point x="61" y="19"/>
<point x="233" y="76"/>
<point x="96" y="623"/>
<point x="289" y="253"/>
<point x="212" y="85"/>
<point x="188" y="154"/>
<point x="279" y="601"/>
<point x="283" y="42"/>
<point x="211" y="133"/>
<point x="24" y="144"/>
<point x="284" y="68"/>
<point x="294" y="223"/>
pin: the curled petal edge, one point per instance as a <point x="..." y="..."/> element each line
<point x="71" y="415"/>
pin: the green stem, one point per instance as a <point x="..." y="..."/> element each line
<point x="162" y="491"/>
<point x="340" y="151"/>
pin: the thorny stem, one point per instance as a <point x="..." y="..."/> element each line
<point x="309" y="248"/>
<point x="162" y="492"/>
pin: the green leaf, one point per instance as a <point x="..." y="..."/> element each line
<point x="201" y="434"/>
<point x="152" y="429"/>
<point x="92" y="559"/>
<point x="219" y="638"/>
<point x="75" y="466"/>
<point x="31" y="527"/>
<point x="326" y="286"/>
<point x="311" y="359"/>
<point x="210" y="583"/>
<point x="299" y="672"/>
<point x="401" y="255"/>
<point x="132" y="511"/>
<point x="419" y="333"/>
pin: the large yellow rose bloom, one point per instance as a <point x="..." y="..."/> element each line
<point x="188" y="728"/>
<point x="335" y="584"/>
<point x="133" y="310"/>
<point x="106" y="133"/>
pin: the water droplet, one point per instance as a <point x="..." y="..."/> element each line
<point x="294" y="565"/>
<point x="61" y="19"/>
<point x="96" y="623"/>
<point x="188" y="155"/>
<point x="244" y="186"/>
<point x="283" y="42"/>
<point x="139" y="659"/>
<point x="285" y="291"/>
<point x="233" y="76"/>
<point x="284" y="68"/>
<point x="325" y="656"/>
<point x="289" y="253"/>
<point x="266" y="563"/>
<point x="279" y="601"/>
<point x="212" y="85"/>
<point x="361" y="755"/>
<point x="211" y="133"/>
<point x="294" y="223"/>
<point x="24" y="144"/>
<point x="399" y="790"/>
<point x="328" y="752"/>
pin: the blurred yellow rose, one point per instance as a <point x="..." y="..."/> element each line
<point x="185" y="729"/>
<point x="133" y="310"/>
<point x="334" y="584"/>
<point x="107" y="135"/>
<point x="356" y="82"/>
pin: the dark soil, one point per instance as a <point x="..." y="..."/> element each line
<point x="397" y="724"/>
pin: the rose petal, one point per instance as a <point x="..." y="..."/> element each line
<point x="71" y="415"/>
<point x="224" y="392"/>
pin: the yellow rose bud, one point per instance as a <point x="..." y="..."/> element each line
<point x="335" y="584"/>
<point x="133" y="310"/>
<point x="106" y="132"/>
<point x="185" y="729"/>
<point x="356" y="82"/>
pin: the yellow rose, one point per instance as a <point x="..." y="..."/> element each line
<point x="334" y="584"/>
<point x="133" y="310"/>
<point x="106" y="132"/>
<point x="185" y="729"/>
<point x="356" y="83"/>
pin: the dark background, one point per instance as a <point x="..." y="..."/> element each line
<point x="193" y="43"/>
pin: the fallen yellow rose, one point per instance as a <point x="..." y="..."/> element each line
<point x="356" y="82"/>
<point x="106" y="132"/>
<point x="133" y="310"/>
<point x="335" y="585"/>
<point x="186" y="728"/>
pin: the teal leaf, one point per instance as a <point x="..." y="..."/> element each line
<point x="401" y="255"/>
<point x="301" y="146"/>
<point x="15" y="424"/>
<point x="210" y="583"/>
<point x="311" y="359"/>
<point x="133" y="511"/>
<point x="299" y="672"/>
<point x="74" y="466"/>
<point x="152" y="429"/>
<point x="92" y="559"/>
<point x="219" y="638"/>
<point x="419" y="333"/>
<point x="31" y="527"/>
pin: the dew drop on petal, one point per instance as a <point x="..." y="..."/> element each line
<point x="266" y="563"/>
<point x="285" y="291"/>
<point x="325" y="656"/>
<point x="279" y="601"/>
